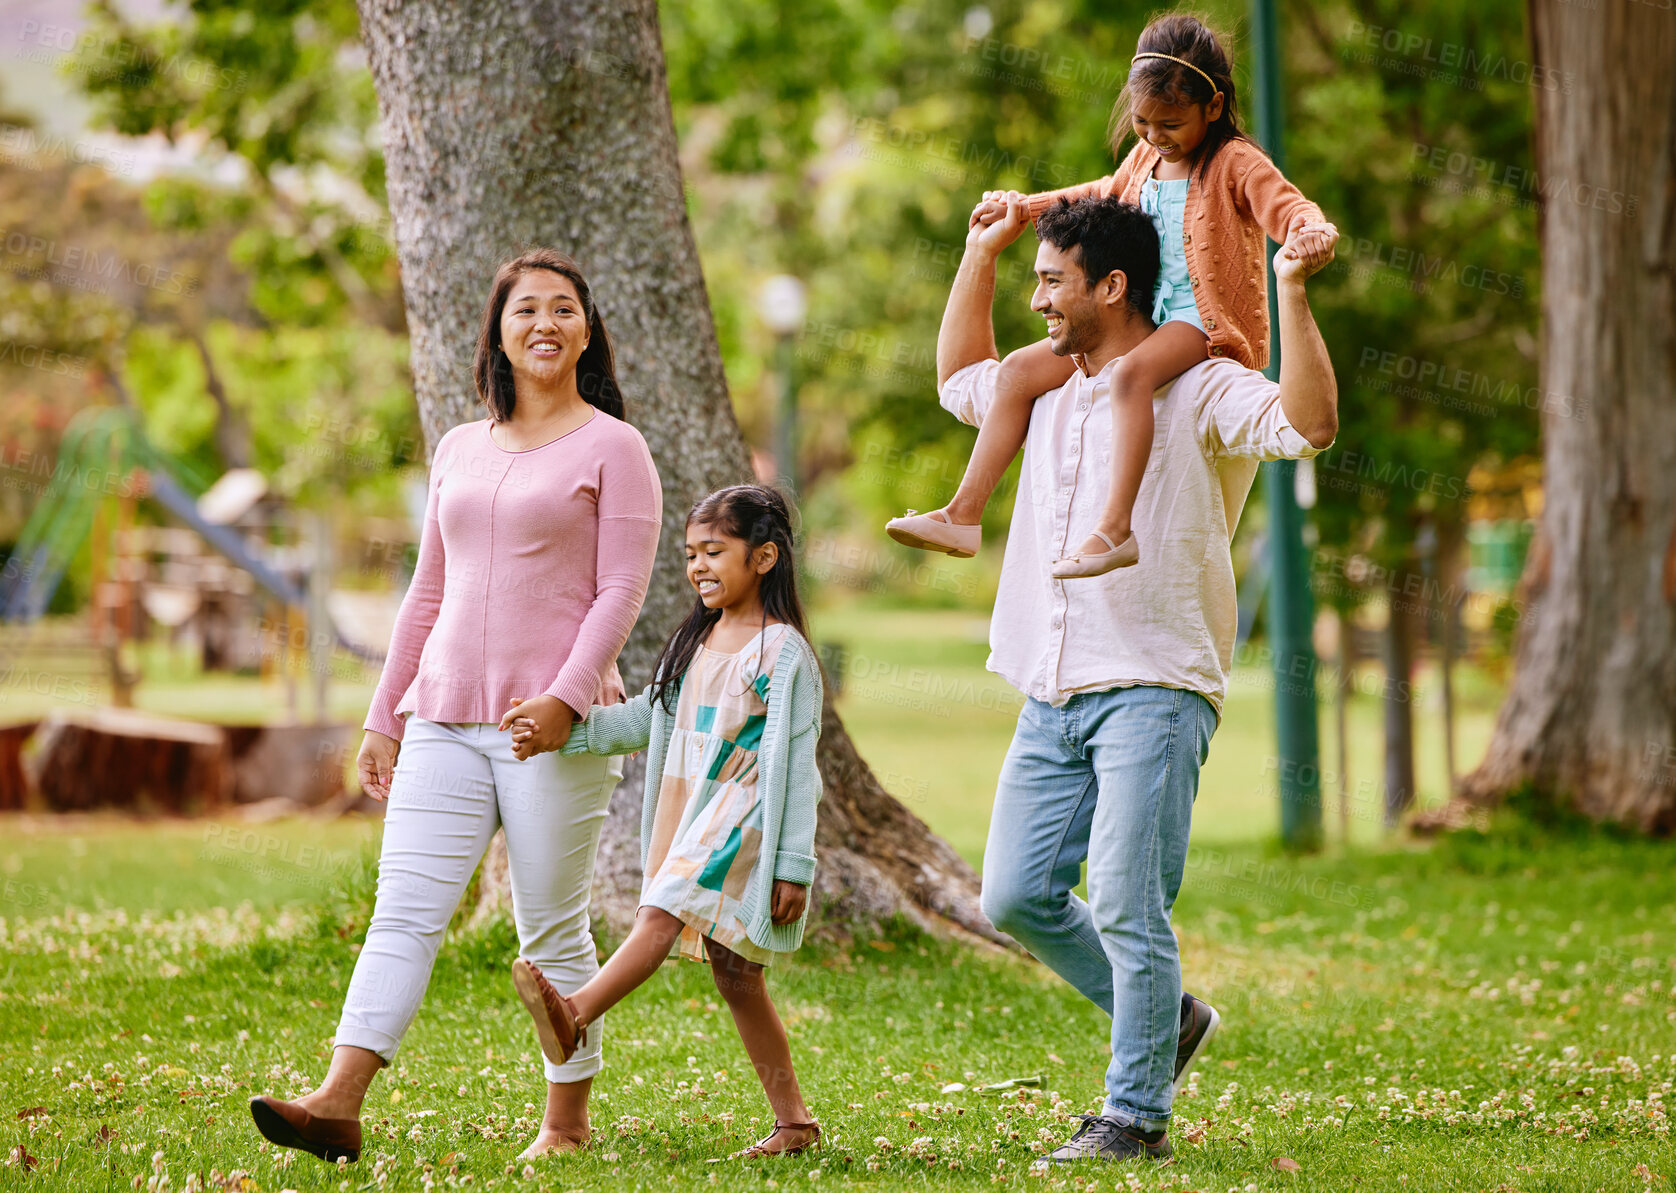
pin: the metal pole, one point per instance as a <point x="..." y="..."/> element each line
<point x="1291" y="611"/>
<point x="785" y="447"/>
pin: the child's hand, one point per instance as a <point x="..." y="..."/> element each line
<point x="993" y="206"/>
<point x="546" y="724"/>
<point x="1313" y="245"/>
<point x="996" y="234"/>
<point x="789" y="900"/>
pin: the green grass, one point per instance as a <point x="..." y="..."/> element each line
<point x="1480" y="1016"/>
<point x="1495" y="1013"/>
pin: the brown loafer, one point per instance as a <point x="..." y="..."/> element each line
<point x="289" y="1125"/>
<point x="761" y="1148"/>
<point x="556" y="1024"/>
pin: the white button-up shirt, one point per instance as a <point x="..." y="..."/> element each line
<point x="1169" y="620"/>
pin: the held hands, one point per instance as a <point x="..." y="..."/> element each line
<point x="1307" y="251"/>
<point x="376" y="763"/>
<point x="611" y="690"/>
<point x="998" y="220"/>
<point x="539" y="725"/>
<point x="789" y="900"/>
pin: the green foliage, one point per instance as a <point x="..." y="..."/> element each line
<point x="846" y="142"/>
<point x="1391" y="1021"/>
<point x="859" y="177"/>
<point x="1430" y="309"/>
<point x="282" y="93"/>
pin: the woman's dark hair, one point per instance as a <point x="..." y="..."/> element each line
<point x="596" y="370"/>
<point x="757" y="515"/>
<point x="1188" y="38"/>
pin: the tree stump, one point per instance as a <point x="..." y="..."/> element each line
<point x="14" y="784"/>
<point x="120" y="758"/>
<point x="302" y="764"/>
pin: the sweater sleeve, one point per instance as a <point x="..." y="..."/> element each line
<point x="1039" y="202"/>
<point x="630" y="515"/>
<point x="795" y="860"/>
<point x="1116" y="184"/>
<point x="417" y="614"/>
<point x="613" y="728"/>
<point x="1279" y="208"/>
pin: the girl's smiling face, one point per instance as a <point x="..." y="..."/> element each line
<point x="1175" y="130"/>
<point x="543" y="327"/>
<point x="723" y="569"/>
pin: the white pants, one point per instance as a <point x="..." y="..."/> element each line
<point x="453" y="786"/>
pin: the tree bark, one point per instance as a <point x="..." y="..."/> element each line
<point x="548" y="122"/>
<point x="1590" y="721"/>
<point x="232" y="431"/>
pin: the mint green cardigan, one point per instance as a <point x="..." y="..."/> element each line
<point x="788" y="781"/>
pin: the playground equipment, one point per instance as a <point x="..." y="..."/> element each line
<point x="105" y="456"/>
<point x="218" y="572"/>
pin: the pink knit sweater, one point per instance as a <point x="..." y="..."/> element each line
<point x="532" y="568"/>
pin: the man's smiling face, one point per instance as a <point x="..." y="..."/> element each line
<point x="1064" y="298"/>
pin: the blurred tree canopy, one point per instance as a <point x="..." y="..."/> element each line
<point x="845" y="141"/>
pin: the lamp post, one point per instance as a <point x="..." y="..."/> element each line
<point x="1291" y="612"/>
<point x="781" y="304"/>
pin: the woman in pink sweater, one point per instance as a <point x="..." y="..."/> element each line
<point x="540" y="532"/>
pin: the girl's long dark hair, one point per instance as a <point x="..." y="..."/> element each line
<point x="596" y="370"/>
<point x="1188" y="38"/>
<point x="757" y="515"/>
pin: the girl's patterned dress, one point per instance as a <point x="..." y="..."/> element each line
<point x="707" y="830"/>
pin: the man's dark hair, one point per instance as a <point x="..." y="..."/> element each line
<point x="1108" y="234"/>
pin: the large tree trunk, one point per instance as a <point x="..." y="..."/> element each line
<point x="548" y="122"/>
<point x="1591" y="718"/>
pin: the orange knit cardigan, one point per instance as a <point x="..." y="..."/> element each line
<point x="1238" y="201"/>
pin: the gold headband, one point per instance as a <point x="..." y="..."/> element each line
<point x="1183" y="61"/>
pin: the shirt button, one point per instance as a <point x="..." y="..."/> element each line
<point x="1216" y="351"/>
<point x="1211" y="324"/>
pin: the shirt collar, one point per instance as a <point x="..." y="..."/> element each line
<point x="1081" y="362"/>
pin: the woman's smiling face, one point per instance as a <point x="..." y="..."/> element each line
<point x="543" y="327"/>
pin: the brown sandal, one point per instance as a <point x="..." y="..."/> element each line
<point x="760" y="1148"/>
<point x="556" y="1022"/>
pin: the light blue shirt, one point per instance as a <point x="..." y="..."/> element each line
<point x="1166" y="203"/>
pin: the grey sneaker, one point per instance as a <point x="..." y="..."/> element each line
<point x="1199" y="1022"/>
<point x="1102" y="1138"/>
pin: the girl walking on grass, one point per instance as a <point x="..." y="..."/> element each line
<point x="1212" y="195"/>
<point x="727" y="830"/>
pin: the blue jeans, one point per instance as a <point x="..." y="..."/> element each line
<point x="1111" y="778"/>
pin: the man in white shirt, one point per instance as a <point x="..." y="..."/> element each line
<point x="1124" y="674"/>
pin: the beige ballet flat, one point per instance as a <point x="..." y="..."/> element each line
<point x="930" y="533"/>
<point x="1121" y="555"/>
